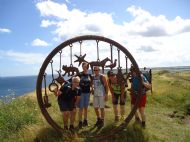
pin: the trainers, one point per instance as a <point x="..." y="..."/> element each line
<point x="143" y="124"/>
<point x="72" y="129"/>
<point x="80" y="125"/>
<point x="116" y="118"/>
<point x="85" y="122"/>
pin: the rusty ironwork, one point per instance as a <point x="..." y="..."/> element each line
<point x="45" y="97"/>
<point x="99" y="63"/>
<point x="70" y="70"/>
<point x="60" y="79"/>
<point x="80" y="59"/>
<point x="126" y="64"/>
<point x="112" y="65"/>
<point x="97" y="47"/>
<point x="71" y="53"/>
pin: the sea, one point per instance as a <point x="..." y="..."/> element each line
<point x="12" y="87"/>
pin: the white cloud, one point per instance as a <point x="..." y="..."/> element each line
<point x="39" y="42"/>
<point x="146" y="49"/>
<point x="26" y="58"/>
<point x="47" y="23"/>
<point x="50" y="8"/>
<point x="166" y="39"/>
<point x="3" y="30"/>
<point x="145" y="24"/>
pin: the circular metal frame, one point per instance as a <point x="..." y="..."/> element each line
<point x="57" y="50"/>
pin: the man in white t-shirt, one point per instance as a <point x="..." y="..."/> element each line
<point x="100" y="88"/>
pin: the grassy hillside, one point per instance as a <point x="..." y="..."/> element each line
<point x="167" y="116"/>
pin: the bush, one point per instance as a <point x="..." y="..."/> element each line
<point x="15" y="115"/>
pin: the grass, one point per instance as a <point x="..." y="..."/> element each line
<point x="167" y="108"/>
<point x="16" y="115"/>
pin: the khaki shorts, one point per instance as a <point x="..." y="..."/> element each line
<point x="99" y="101"/>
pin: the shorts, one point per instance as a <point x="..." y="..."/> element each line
<point x="66" y="105"/>
<point x="99" y="101"/>
<point x="84" y="100"/>
<point x="116" y="100"/>
<point x="142" y="100"/>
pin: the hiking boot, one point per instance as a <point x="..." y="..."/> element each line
<point x="98" y="122"/>
<point x="85" y="123"/>
<point x="116" y="118"/>
<point x="66" y="128"/>
<point x="72" y="129"/>
<point x="101" y="123"/>
<point x="143" y="124"/>
<point x="80" y="125"/>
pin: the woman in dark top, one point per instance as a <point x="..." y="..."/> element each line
<point x="85" y="83"/>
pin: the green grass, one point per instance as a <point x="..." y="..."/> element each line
<point x="167" y="108"/>
<point x="15" y="115"/>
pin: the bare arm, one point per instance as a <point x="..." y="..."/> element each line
<point x="122" y="90"/>
<point x="146" y="84"/>
<point x="57" y="92"/>
<point x="110" y="87"/>
<point x="106" y="87"/>
<point x="77" y="100"/>
<point x="105" y="84"/>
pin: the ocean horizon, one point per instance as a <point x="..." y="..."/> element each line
<point x="14" y="86"/>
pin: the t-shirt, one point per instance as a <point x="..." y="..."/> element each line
<point x="68" y="94"/>
<point x="85" y="80"/>
<point x="135" y="83"/>
<point x="98" y="86"/>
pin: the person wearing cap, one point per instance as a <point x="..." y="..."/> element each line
<point x="134" y="92"/>
<point x="118" y="95"/>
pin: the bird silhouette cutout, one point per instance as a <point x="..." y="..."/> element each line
<point x="112" y="65"/>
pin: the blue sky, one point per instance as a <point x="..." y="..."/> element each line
<point x="155" y="32"/>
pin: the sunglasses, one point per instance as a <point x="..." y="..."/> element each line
<point x="96" y="70"/>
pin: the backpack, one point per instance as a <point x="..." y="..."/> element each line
<point x="148" y="75"/>
<point x="65" y="90"/>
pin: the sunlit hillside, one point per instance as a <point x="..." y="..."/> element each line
<point x="168" y="116"/>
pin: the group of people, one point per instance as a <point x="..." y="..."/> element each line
<point x="76" y="94"/>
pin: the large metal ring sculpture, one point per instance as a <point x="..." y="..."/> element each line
<point x="42" y="96"/>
